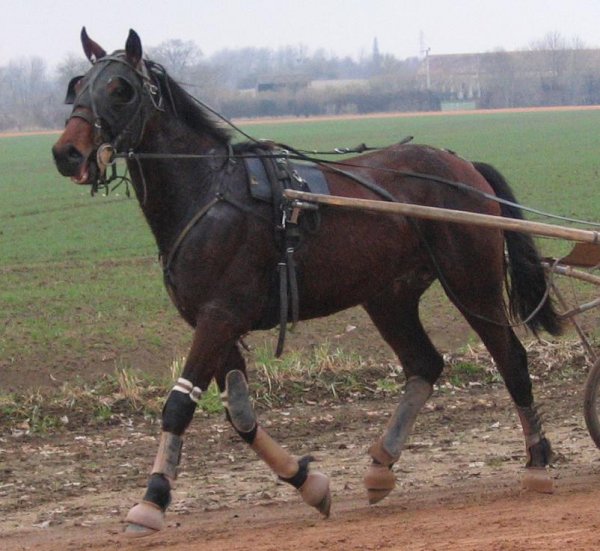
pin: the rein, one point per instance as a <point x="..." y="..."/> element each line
<point x="286" y="152"/>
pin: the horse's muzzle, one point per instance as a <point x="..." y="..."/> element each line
<point x="71" y="162"/>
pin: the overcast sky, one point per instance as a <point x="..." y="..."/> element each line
<point x="50" y="28"/>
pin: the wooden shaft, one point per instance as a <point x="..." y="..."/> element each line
<point x="569" y="271"/>
<point x="449" y="215"/>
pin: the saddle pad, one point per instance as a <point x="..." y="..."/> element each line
<point x="313" y="179"/>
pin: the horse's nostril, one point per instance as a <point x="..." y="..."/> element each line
<point x="73" y="154"/>
<point x="67" y="158"/>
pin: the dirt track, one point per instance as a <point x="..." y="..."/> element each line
<point x="432" y="520"/>
<point x="458" y="482"/>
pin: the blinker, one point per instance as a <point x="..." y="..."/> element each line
<point x="71" y="92"/>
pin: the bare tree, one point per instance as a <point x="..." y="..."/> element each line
<point x="178" y="56"/>
<point x="498" y="80"/>
<point x="28" y="94"/>
<point x="558" y="61"/>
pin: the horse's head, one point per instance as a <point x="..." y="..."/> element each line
<point x="112" y="103"/>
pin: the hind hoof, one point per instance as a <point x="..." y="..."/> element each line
<point x="144" y="519"/>
<point x="375" y="496"/>
<point x="537" y="479"/>
<point x="379" y="481"/>
<point x="315" y="492"/>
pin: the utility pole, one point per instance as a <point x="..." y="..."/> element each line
<point x="425" y="50"/>
<point x="427" y="75"/>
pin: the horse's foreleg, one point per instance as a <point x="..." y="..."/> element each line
<point x="313" y="486"/>
<point x="379" y="479"/>
<point x="148" y="515"/>
<point x="213" y="333"/>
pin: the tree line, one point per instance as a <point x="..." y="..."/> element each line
<point x="251" y="82"/>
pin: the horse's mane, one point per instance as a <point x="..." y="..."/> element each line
<point x="189" y="110"/>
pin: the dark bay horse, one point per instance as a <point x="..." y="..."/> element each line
<point x="221" y="255"/>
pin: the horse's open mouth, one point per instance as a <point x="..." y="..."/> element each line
<point x="85" y="174"/>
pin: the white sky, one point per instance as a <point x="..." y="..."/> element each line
<point x="50" y="28"/>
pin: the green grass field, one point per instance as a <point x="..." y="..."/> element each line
<point x="79" y="274"/>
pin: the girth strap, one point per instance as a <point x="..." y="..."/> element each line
<point x="288" y="296"/>
<point x="283" y="306"/>
<point x="287" y="235"/>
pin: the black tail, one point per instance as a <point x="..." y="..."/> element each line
<point x="527" y="281"/>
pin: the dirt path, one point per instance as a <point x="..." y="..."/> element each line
<point x="482" y="515"/>
<point x="458" y="482"/>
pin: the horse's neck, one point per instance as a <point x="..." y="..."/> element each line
<point x="170" y="190"/>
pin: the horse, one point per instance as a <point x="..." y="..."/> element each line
<point x="227" y="261"/>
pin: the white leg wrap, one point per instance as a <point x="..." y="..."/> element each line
<point x="535" y="478"/>
<point x="388" y="449"/>
<point x="186" y="387"/>
<point x="379" y="480"/>
<point x="168" y="455"/>
<point x="532" y="425"/>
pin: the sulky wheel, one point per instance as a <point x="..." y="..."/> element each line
<point x="591" y="403"/>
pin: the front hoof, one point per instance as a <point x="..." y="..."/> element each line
<point x="379" y="481"/>
<point x="315" y="492"/>
<point x="537" y="479"/>
<point x="144" y="519"/>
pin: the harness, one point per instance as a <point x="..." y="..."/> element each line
<point x="268" y="177"/>
<point x="269" y="174"/>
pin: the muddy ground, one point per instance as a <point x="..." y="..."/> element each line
<point x="458" y="481"/>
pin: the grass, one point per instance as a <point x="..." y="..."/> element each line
<point x="81" y="287"/>
<point x="327" y="375"/>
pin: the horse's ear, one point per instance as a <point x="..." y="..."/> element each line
<point x="133" y="48"/>
<point x="92" y="50"/>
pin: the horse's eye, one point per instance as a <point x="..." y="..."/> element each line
<point x="120" y="91"/>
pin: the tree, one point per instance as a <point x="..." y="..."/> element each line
<point x="178" y="56"/>
<point x="28" y="95"/>
<point x="560" y="78"/>
<point x="497" y="76"/>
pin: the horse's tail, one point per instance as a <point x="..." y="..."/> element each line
<point x="526" y="285"/>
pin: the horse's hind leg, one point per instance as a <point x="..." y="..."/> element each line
<point x="313" y="486"/>
<point x="396" y="316"/>
<point x="511" y="360"/>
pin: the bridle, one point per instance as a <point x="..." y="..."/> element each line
<point x="116" y="130"/>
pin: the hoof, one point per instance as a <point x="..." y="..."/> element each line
<point x="315" y="492"/>
<point x="144" y="519"/>
<point x="537" y="479"/>
<point x="379" y="481"/>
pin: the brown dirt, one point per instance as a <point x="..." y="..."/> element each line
<point x="458" y="481"/>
